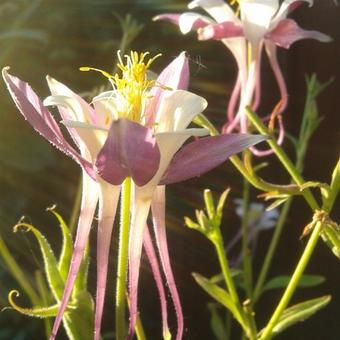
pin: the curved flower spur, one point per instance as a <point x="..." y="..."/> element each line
<point x="263" y="24"/>
<point x="136" y="130"/>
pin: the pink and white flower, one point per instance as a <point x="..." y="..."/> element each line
<point x="136" y="130"/>
<point x="262" y="23"/>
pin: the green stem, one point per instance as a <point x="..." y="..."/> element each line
<point x="283" y="158"/>
<point x="271" y="250"/>
<point x="123" y="260"/>
<point x="300" y="268"/>
<point x="17" y="273"/>
<point x="247" y="270"/>
<point x="218" y="243"/>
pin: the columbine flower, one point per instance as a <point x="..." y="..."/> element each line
<point x="134" y="131"/>
<point x="262" y="23"/>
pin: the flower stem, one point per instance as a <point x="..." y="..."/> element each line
<point x="300" y="268"/>
<point x="218" y="243"/>
<point x="246" y="258"/>
<point x="122" y="259"/>
<point x="271" y="250"/>
<point x="283" y="158"/>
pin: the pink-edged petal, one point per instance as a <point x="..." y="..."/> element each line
<point x="33" y="110"/>
<point x="202" y="155"/>
<point x="175" y="76"/>
<point x="87" y="209"/>
<point x="140" y="211"/>
<point x="108" y="200"/>
<point x="158" y="218"/>
<point x="152" y="257"/>
<point x="224" y="30"/>
<point x="130" y="150"/>
<point x="287" y="32"/>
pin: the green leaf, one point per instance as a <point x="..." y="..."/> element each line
<point x="300" y="312"/>
<point x="219" y="294"/>
<point x="305" y="281"/>
<point x="37" y="312"/>
<point x="331" y="237"/>
<point x="67" y="247"/>
<point x="50" y="262"/>
<point x="330" y="196"/>
<point x="79" y="321"/>
<point x="216" y="322"/>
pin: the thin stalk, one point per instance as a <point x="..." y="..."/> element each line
<point x="17" y="273"/>
<point x="219" y="247"/>
<point x="123" y="259"/>
<point x="271" y="250"/>
<point x="300" y="268"/>
<point x="246" y="258"/>
<point x="283" y="158"/>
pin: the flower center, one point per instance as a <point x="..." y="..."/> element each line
<point x="131" y="86"/>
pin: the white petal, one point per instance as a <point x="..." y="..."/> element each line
<point x="93" y="136"/>
<point x="74" y="106"/>
<point x="218" y="9"/>
<point x="79" y="108"/>
<point x="177" y="110"/>
<point x="187" y="20"/>
<point x="256" y="17"/>
<point x="107" y="106"/>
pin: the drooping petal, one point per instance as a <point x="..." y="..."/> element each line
<point x="108" y="200"/>
<point x="40" y="118"/>
<point x="218" y="9"/>
<point x="287" y="32"/>
<point x="152" y="257"/>
<point x="130" y="150"/>
<point x="175" y="76"/>
<point x="158" y="218"/>
<point x="187" y="21"/>
<point x="200" y="156"/>
<point x="223" y="30"/>
<point x="140" y="211"/>
<point x="177" y="110"/>
<point x="87" y="209"/>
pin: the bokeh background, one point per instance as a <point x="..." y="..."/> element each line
<point x="56" y="37"/>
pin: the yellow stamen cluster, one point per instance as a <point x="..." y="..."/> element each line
<point x="132" y="85"/>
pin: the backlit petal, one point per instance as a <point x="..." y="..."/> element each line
<point x="130" y="150"/>
<point x="174" y="76"/>
<point x="177" y="110"/>
<point x="87" y="209"/>
<point x="108" y="200"/>
<point x="200" y="156"/>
